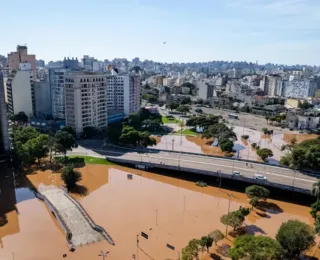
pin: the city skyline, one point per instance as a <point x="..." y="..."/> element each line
<point x="283" y="32"/>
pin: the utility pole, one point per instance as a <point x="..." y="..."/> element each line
<point x="104" y="254"/>
<point x="156" y="217"/>
<point x="230" y="195"/>
<point x="172" y="144"/>
<point x="294" y="178"/>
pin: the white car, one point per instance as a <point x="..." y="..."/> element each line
<point x="236" y="173"/>
<point x="259" y="177"/>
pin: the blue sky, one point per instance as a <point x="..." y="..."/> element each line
<point x="279" y="31"/>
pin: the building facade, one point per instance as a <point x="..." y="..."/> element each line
<point x="205" y="90"/>
<point x="4" y="133"/>
<point x="21" y="56"/>
<point x="85" y="99"/>
<point x="20" y="91"/>
<point x="42" y="97"/>
<point x="71" y="63"/>
<point x="123" y="93"/>
<point x="56" y="83"/>
<point x="301" y="89"/>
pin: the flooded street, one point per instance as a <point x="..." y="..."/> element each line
<point x="171" y="211"/>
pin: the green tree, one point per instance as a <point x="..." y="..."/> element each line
<point x="191" y="250"/>
<point x="256" y="193"/>
<point x="255" y="248"/>
<point x="134" y="120"/>
<point x="216" y="235"/>
<point x="145" y="140"/>
<point x="206" y="242"/>
<point x="173" y="106"/>
<point x="183" y="109"/>
<point x="150" y="98"/>
<point x="70" y="177"/>
<point x="267" y="118"/>
<point x="226" y="145"/>
<point x="264" y="153"/>
<point x="317" y="225"/>
<point x="89" y="131"/>
<point x="21" y="117"/>
<point x="23" y="134"/>
<point x="64" y="142"/>
<point x="316" y="191"/>
<point x="70" y="130"/>
<point x="114" y="132"/>
<point x="236" y="218"/>
<point x="38" y="147"/>
<point x="295" y="237"/>
<point x="265" y="130"/>
<point x="315" y="207"/>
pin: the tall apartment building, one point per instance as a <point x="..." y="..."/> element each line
<point x="85" y="99"/>
<point x="4" y="134"/>
<point x="42" y="96"/>
<point x="56" y="83"/>
<point x="123" y="93"/>
<point x="21" y="56"/>
<point x="300" y="88"/>
<point x="71" y="63"/>
<point x="205" y="90"/>
<point x="271" y="84"/>
<point x="20" y="91"/>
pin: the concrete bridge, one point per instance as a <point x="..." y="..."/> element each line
<point x="278" y="177"/>
<point x="77" y="224"/>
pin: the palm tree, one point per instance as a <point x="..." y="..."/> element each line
<point x="316" y="191"/>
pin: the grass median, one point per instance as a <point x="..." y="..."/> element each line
<point x="92" y="160"/>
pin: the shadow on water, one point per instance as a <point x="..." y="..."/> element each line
<point x="269" y="207"/>
<point x="80" y="190"/>
<point x="253" y="229"/>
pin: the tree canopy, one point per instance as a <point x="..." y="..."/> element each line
<point x="255" y="248"/>
<point x="295" y="237"/>
<point x="256" y="193"/>
<point x="183" y="109"/>
<point x="20" y="117"/>
<point x="264" y="153"/>
<point x="70" y="176"/>
<point x="305" y="155"/>
<point x="236" y="218"/>
<point x="203" y="121"/>
<point x="64" y="141"/>
<point x="216" y="235"/>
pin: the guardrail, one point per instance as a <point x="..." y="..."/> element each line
<point x="89" y="219"/>
<point x="59" y="218"/>
<point x="210" y="173"/>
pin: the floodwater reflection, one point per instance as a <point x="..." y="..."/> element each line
<point x="171" y="211"/>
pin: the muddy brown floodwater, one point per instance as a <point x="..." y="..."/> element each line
<point x="171" y="211"/>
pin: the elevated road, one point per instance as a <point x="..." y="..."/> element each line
<point x="276" y="176"/>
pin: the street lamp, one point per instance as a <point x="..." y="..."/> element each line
<point x="230" y="195"/>
<point x="172" y="143"/>
<point x="104" y="254"/>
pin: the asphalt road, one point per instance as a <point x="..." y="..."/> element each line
<point x="279" y="175"/>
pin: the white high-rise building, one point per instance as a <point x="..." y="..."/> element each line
<point x="123" y="93"/>
<point x="300" y="88"/>
<point x="272" y="84"/>
<point x="56" y="82"/>
<point x="85" y="99"/>
<point x="20" y="91"/>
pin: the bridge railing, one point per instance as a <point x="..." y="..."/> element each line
<point x="210" y="173"/>
<point x="89" y="219"/>
<point x="59" y="218"/>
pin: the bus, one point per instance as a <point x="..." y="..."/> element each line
<point x="233" y="116"/>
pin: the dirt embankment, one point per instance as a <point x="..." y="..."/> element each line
<point x="288" y="137"/>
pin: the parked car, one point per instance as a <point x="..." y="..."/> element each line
<point x="236" y="173"/>
<point x="259" y="177"/>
